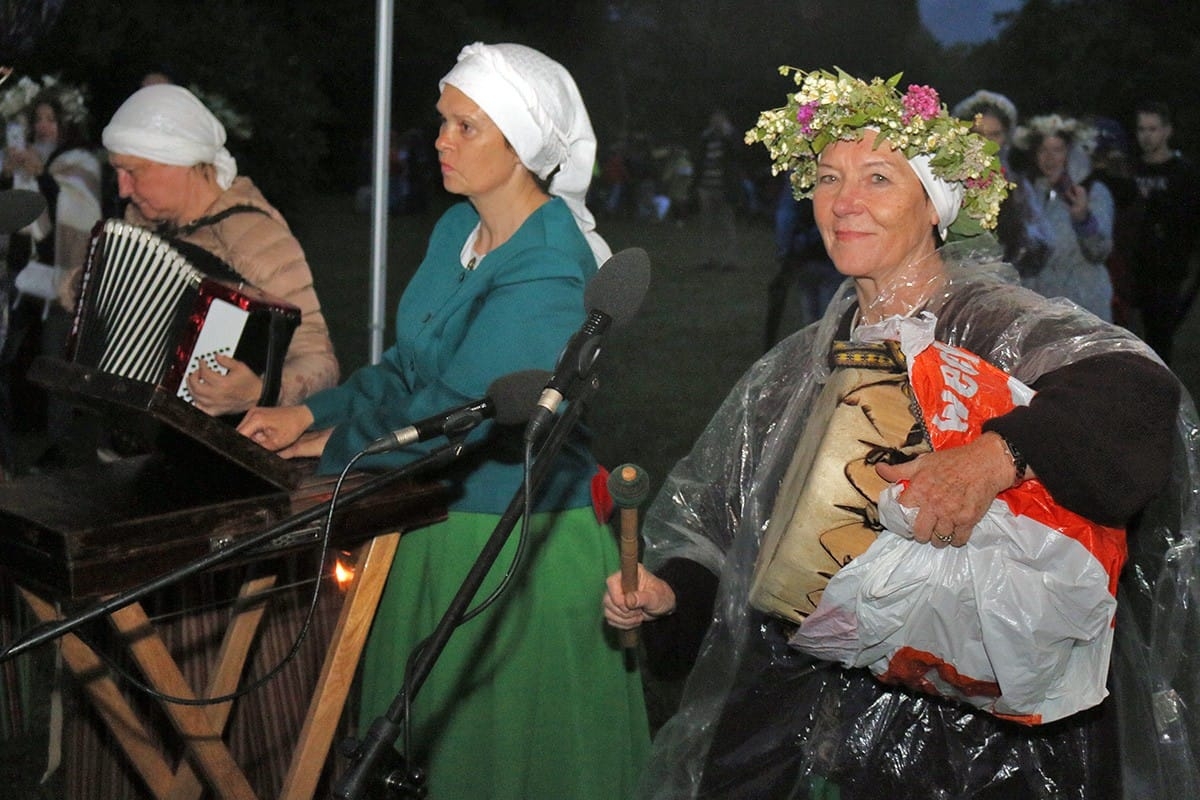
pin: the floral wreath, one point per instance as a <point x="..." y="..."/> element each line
<point x="838" y="107"/>
<point x="1078" y="133"/>
<point x="18" y="97"/>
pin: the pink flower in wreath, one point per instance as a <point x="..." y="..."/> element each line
<point x="921" y="101"/>
<point x="805" y="113"/>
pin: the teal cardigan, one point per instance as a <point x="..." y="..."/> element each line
<point x="457" y="330"/>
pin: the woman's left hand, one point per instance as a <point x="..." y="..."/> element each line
<point x="230" y="393"/>
<point x="952" y="489"/>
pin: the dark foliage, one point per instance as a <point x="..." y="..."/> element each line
<point x="304" y="70"/>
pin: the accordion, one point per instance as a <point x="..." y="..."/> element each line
<point x="152" y="310"/>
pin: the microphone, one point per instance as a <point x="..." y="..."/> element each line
<point x="612" y="298"/>
<point x="508" y="399"/>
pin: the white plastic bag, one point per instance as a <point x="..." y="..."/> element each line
<point x="1018" y="622"/>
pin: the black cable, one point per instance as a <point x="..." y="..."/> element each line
<point x="297" y="642"/>
<point x="497" y="593"/>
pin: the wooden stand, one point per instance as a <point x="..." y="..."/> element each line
<point x="208" y="761"/>
<point x="97" y="531"/>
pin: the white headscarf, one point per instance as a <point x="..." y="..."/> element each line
<point x="167" y="124"/>
<point x="947" y="197"/>
<point x="537" y="106"/>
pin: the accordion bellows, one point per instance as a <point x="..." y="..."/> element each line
<point x="151" y="313"/>
<point x="826" y="511"/>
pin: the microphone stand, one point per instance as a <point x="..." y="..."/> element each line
<point x="45" y="633"/>
<point x="396" y="778"/>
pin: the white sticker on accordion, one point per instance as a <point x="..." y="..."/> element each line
<point x="220" y="334"/>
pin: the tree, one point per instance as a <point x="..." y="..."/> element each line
<point x="1101" y="57"/>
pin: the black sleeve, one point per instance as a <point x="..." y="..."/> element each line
<point x="672" y="642"/>
<point x="1099" y="434"/>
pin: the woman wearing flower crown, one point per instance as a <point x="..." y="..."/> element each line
<point x="893" y="177"/>
<point x="1076" y="213"/>
<point x="59" y="163"/>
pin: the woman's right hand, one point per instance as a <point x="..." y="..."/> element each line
<point x="276" y="427"/>
<point x="653" y="598"/>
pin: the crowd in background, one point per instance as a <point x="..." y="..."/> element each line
<point x="1104" y="212"/>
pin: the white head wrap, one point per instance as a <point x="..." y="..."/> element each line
<point x="947" y="197"/>
<point x="537" y="106"/>
<point x="167" y="124"/>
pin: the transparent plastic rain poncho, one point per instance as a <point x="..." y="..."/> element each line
<point x="819" y="730"/>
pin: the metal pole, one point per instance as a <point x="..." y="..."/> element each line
<point x="379" y="204"/>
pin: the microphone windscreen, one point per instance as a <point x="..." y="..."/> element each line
<point x="619" y="286"/>
<point x="514" y="395"/>
<point x="18" y="208"/>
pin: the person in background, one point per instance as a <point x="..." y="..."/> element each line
<point x="1112" y="165"/>
<point x="1024" y="236"/>
<point x="531" y="698"/>
<point x="993" y="116"/>
<point x="61" y="165"/>
<point x="1077" y="214"/>
<point x="803" y="264"/>
<point x="67" y="173"/>
<point x="18" y="208"/>
<point x="760" y="718"/>
<point x="1167" y="229"/>
<point x="718" y="189"/>
<point x="677" y="178"/>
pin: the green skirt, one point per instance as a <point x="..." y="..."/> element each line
<point x="531" y="699"/>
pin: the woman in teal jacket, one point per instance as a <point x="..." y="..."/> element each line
<point x="530" y="699"/>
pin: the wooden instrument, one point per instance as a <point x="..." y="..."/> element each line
<point x="71" y="536"/>
<point x="826" y="511"/>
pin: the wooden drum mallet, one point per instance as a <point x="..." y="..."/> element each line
<point x="628" y="485"/>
